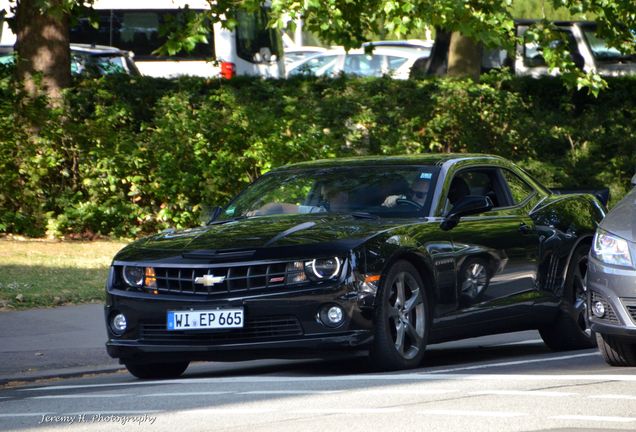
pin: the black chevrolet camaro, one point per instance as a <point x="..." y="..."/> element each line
<point x="381" y="254"/>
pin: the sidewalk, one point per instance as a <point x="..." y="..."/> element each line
<point x="45" y="343"/>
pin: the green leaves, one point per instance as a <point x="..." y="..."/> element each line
<point x="127" y="156"/>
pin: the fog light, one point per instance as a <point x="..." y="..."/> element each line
<point x="332" y="316"/>
<point x="335" y="315"/>
<point x="598" y="309"/>
<point x="118" y="324"/>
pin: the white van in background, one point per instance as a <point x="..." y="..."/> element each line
<point x="588" y="51"/>
<point x="250" y="49"/>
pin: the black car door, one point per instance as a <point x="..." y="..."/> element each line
<point x="495" y="253"/>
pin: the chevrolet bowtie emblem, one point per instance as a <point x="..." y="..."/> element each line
<point x="209" y="280"/>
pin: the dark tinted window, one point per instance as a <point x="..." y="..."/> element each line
<point x="254" y="41"/>
<point x="136" y="31"/>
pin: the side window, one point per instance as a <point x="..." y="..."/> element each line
<point x="533" y="55"/>
<point x="519" y="189"/>
<point x="479" y="182"/>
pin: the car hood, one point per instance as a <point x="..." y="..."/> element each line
<point x="621" y="220"/>
<point x="269" y="232"/>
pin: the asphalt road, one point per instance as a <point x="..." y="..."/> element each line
<point x="53" y="342"/>
<point x="508" y="382"/>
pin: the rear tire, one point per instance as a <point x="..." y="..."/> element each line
<point x="615" y="351"/>
<point x="571" y="330"/>
<point x="401" y="319"/>
<point x="156" y="370"/>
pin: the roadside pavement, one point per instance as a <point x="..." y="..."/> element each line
<point x="56" y="342"/>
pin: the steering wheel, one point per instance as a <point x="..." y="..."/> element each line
<point x="406" y="201"/>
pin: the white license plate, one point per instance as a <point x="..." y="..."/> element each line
<point x="205" y="319"/>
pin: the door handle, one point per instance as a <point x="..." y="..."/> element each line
<point x="525" y="229"/>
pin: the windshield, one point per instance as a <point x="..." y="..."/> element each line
<point x="382" y="191"/>
<point x="600" y="50"/>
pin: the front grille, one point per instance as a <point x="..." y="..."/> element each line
<point x="255" y="330"/>
<point x="228" y="279"/>
<point x="610" y="315"/>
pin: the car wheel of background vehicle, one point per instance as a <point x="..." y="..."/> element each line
<point x="616" y="352"/>
<point x="571" y="329"/>
<point x="401" y="319"/>
<point x="156" y="370"/>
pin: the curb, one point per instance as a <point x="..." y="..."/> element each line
<point x="19" y="379"/>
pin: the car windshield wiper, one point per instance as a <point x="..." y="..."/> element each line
<point x="364" y="215"/>
<point x="222" y="221"/>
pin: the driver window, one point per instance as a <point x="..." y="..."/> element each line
<point x="481" y="182"/>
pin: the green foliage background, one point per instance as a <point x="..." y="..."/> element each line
<point x="127" y="156"/>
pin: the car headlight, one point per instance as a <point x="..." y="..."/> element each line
<point x="611" y="249"/>
<point x="134" y="276"/>
<point x="323" y="269"/>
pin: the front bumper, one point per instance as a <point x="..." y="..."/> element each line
<point x="615" y="288"/>
<point x="277" y="325"/>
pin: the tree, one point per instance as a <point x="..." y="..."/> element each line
<point x="471" y="23"/>
<point x="42" y="45"/>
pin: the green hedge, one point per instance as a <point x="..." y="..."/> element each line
<point x="127" y="156"/>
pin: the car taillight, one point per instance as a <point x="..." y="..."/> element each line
<point x="228" y="70"/>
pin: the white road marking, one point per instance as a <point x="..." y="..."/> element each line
<point x="470" y="413"/>
<point x="82" y="396"/>
<point x="611" y="396"/>
<point x="210" y="393"/>
<point x="414" y="377"/>
<point x="348" y="411"/>
<point x="594" y="418"/>
<point x="291" y="392"/>
<point x="9" y="415"/>
<point x="532" y="393"/>
<point x="106" y="413"/>
<point x="513" y="363"/>
<point x="411" y="391"/>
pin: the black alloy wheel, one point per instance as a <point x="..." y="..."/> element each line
<point x="572" y="327"/>
<point x="401" y="319"/>
<point x="157" y="370"/>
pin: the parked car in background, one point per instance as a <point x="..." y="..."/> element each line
<point x="611" y="283"/>
<point x="379" y="254"/>
<point x="587" y="49"/>
<point x="393" y="61"/>
<point x="293" y="55"/>
<point x="89" y="60"/>
<point x="423" y="46"/>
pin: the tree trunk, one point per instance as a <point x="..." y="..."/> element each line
<point x="464" y="57"/>
<point x="42" y="46"/>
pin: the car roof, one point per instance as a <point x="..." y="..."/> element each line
<point x="82" y="48"/>
<point x="306" y="48"/>
<point x="416" y="159"/>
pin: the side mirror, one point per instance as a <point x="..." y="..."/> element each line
<point x="634" y="180"/>
<point x="469" y="205"/>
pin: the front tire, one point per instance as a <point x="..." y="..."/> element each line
<point x="571" y="330"/>
<point x="615" y="351"/>
<point x="156" y="370"/>
<point x="401" y="319"/>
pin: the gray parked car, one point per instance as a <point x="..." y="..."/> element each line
<point x="611" y="283"/>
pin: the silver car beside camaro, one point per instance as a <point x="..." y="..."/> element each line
<point x="611" y="283"/>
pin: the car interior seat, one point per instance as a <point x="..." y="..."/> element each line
<point x="458" y="190"/>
